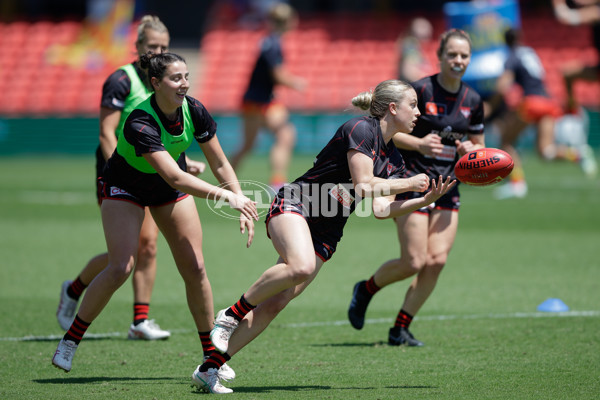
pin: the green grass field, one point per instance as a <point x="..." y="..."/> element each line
<point x="484" y="337"/>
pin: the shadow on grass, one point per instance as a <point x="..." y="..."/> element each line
<point x="365" y="344"/>
<point x="271" y="389"/>
<point x="412" y="387"/>
<point x="104" y="379"/>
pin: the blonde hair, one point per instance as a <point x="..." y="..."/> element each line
<point x="378" y="99"/>
<point x="149" y="22"/>
<point x="280" y="14"/>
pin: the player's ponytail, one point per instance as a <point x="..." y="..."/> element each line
<point x="156" y="64"/>
<point x="363" y="100"/>
<point x="378" y="99"/>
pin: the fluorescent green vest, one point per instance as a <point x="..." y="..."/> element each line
<point x="137" y="93"/>
<point x="175" y="145"/>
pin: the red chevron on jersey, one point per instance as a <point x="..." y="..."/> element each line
<point x="466" y="112"/>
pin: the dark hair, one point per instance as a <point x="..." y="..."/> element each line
<point x="446" y="36"/>
<point x="511" y="37"/>
<point x="156" y="64"/>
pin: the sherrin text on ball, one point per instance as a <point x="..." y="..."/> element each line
<point x="483" y="167"/>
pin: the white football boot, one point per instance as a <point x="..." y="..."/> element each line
<point x="65" y="313"/>
<point x="147" y="330"/>
<point x="224" y="327"/>
<point x="63" y="356"/>
<point x="225" y="372"/>
<point x="587" y="161"/>
<point x="511" y="190"/>
<point x="209" y="381"/>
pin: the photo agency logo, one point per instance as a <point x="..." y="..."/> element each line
<point x="311" y="200"/>
<point x="256" y="191"/>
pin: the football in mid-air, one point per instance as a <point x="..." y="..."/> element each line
<point x="483" y="167"/>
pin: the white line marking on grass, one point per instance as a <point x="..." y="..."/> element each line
<point x="32" y="338"/>
<point x="337" y="323"/>
<point x="451" y="317"/>
<point x="105" y="335"/>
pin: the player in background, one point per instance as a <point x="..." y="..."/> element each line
<point x="581" y="12"/>
<point x="147" y="170"/>
<point x="412" y="62"/>
<point x="123" y="90"/>
<point x="259" y="107"/>
<point x="524" y="68"/>
<point x="359" y="161"/>
<point x="450" y="126"/>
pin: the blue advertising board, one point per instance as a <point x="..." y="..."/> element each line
<point x="485" y="21"/>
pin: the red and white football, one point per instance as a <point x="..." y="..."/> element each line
<point x="483" y="167"/>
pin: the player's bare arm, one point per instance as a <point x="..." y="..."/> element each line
<point x="388" y="207"/>
<point x="367" y="185"/>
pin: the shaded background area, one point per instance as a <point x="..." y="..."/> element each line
<point x="340" y="47"/>
<point x="186" y="19"/>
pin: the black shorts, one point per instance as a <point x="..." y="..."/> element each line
<point x="100" y="163"/>
<point x="154" y="199"/>
<point x="449" y="201"/>
<point x="325" y="232"/>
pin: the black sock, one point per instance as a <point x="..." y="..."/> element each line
<point x="77" y="330"/>
<point x="140" y="313"/>
<point x="240" y="309"/>
<point x="76" y="288"/>
<point x="207" y="346"/>
<point x="403" y="319"/>
<point x="216" y="360"/>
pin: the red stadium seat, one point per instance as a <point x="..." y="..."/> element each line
<point x="338" y="58"/>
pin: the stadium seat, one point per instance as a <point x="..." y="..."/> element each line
<point x="338" y="58"/>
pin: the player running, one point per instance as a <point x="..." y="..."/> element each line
<point x="121" y="92"/>
<point x="524" y="68"/>
<point x="307" y="217"/>
<point x="148" y="170"/>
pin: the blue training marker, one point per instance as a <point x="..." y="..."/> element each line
<point x="553" y="305"/>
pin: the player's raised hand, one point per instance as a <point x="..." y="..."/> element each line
<point x="439" y="188"/>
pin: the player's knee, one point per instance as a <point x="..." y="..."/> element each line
<point x="301" y="270"/>
<point x="276" y="118"/>
<point x="548" y="152"/>
<point x="193" y="272"/>
<point x="120" y="271"/>
<point x="436" y="263"/>
<point x="286" y="135"/>
<point x="414" y="264"/>
<point x="147" y="248"/>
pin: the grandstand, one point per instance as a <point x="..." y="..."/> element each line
<point x="338" y="58"/>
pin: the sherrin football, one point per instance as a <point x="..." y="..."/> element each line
<point x="483" y="167"/>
